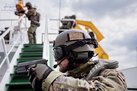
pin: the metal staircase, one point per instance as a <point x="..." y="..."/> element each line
<point x="9" y="81"/>
<point x="29" y="52"/>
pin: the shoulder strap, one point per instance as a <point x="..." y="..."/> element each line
<point x="100" y="66"/>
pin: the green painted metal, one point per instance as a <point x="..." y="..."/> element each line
<point x="30" y="52"/>
<point x="28" y="59"/>
<point x="33" y="49"/>
<point x="51" y="56"/>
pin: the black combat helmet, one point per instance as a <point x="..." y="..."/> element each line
<point x="28" y="4"/>
<point x="75" y="45"/>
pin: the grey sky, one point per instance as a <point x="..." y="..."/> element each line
<point x="116" y="19"/>
<point x="98" y="8"/>
<point x="102" y="7"/>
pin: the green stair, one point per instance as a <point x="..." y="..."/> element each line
<point x="30" y="52"/>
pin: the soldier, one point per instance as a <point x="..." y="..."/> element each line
<point x="34" y="17"/>
<point x="73" y="51"/>
<point x="70" y="23"/>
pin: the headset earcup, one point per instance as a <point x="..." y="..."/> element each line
<point x="90" y="54"/>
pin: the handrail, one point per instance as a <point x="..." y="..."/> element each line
<point x="15" y="43"/>
<point x="8" y="30"/>
<point x="3" y="42"/>
<point x="9" y="52"/>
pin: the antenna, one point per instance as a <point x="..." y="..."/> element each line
<point x="59" y="11"/>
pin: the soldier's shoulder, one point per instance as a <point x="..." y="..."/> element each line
<point x="113" y="72"/>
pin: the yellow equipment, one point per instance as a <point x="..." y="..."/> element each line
<point x="19" y="8"/>
<point x="89" y="25"/>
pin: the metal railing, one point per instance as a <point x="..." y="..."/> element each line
<point x="48" y="39"/>
<point x="12" y="46"/>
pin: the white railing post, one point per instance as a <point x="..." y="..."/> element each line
<point x="5" y="52"/>
<point x="20" y="32"/>
<point x="46" y="41"/>
<point x="19" y="41"/>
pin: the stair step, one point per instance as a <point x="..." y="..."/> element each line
<point x="15" y="75"/>
<point x="28" y="59"/>
<point x="33" y="45"/>
<point x="34" y="57"/>
<point x="32" y="49"/>
<point x="20" y="82"/>
<point x="19" y="79"/>
<point x="19" y="87"/>
<point x="31" y="54"/>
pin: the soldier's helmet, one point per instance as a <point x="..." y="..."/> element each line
<point x="28" y="4"/>
<point x="76" y="45"/>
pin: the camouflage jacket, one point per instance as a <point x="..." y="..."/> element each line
<point x="33" y="16"/>
<point x="88" y="77"/>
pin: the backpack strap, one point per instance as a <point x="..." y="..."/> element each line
<point x="100" y="66"/>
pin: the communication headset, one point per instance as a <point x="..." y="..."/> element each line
<point x="61" y="52"/>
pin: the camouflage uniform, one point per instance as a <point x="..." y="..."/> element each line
<point x="81" y="79"/>
<point x="33" y="16"/>
<point x="83" y="74"/>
